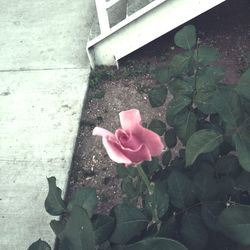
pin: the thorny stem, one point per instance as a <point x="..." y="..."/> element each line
<point x="150" y="186"/>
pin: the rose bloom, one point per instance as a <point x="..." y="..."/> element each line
<point x="132" y="143"/>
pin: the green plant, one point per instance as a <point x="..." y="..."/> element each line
<point x="199" y="200"/>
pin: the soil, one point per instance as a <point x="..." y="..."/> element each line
<point x="226" y="27"/>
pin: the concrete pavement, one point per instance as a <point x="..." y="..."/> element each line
<point x="43" y="80"/>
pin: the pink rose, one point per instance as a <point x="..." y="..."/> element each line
<point x="132" y="143"/>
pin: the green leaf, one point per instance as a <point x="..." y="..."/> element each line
<point x="85" y="197"/>
<point x="163" y="74"/>
<point x="170" y="138"/>
<point x="160" y="199"/>
<point x="210" y="213"/>
<point x="154" y="244"/>
<point x="180" y="190"/>
<point x="243" y="182"/>
<point x="227" y="165"/>
<point x="166" y="158"/>
<point x="168" y="228"/>
<point x="103" y="227"/>
<point x="54" y="204"/>
<point x="78" y="232"/>
<point x="130" y="221"/>
<point x="243" y="87"/>
<point x="241" y="138"/>
<point x="157" y="126"/>
<point x="123" y="172"/>
<point x="176" y="105"/>
<point x="202" y="141"/>
<point x="129" y="188"/>
<point x="181" y="63"/>
<point x="206" y="55"/>
<point x="151" y="166"/>
<point x="205" y="185"/>
<point x="227" y="105"/>
<point x="185" y="125"/>
<point x="57" y="227"/>
<point x="157" y="96"/>
<point x="182" y="87"/>
<point x="193" y="231"/>
<point x="234" y="222"/>
<point x="39" y="245"/>
<point x="186" y="37"/>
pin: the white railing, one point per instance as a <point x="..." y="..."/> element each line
<point x="102" y="7"/>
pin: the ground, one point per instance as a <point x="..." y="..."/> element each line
<point x="226" y="27"/>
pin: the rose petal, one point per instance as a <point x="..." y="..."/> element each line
<point x="102" y="132"/>
<point x="140" y="155"/>
<point x="150" y="139"/>
<point x="111" y="145"/>
<point x="127" y="140"/>
<point x="130" y="119"/>
<point x="114" y="151"/>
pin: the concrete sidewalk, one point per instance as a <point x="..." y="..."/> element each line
<point x="43" y="80"/>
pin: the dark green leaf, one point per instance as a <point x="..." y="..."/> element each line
<point x="54" y="204"/>
<point x="210" y="213"/>
<point x="124" y="172"/>
<point x="181" y="87"/>
<point x="157" y="126"/>
<point x="227" y="165"/>
<point x="234" y="222"/>
<point x="243" y="182"/>
<point x="128" y="187"/>
<point x="193" y="231"/>
<point x="206" y="55"/>
<point x="168" y="228"/>
<point x="181" y="63"/>
<point x="157" y="96"/>
<point x="185" y="125"/>
<point x="163" y="74"/>
<point x="241" y="139"/>
<point x="57" y="227"/>
<point x="160" y="198"/>
<point x="39" y="245"/>
<point x="166" y="158"/>
<point x="225" y="187"/>
<point x="227" y="104"/>
<point x="130" y="221"/>
<point x="186" y="37"/>
<point x="85" y="197"/>
<point x="176" y="106"/>
<point x="202" y="141"/>
<point x="78" y="232"/>
<point x="170" y="138"/>
<point x="103" y="227"/>
<point x="180" y="190"/>
<point x="154" y="244"/>
<point x="243" y="87"/>
<point x="205" y="185"/>
<point x="151" y="166"/>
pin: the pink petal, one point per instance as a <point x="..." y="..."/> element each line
<point x="114" y="151"/>
<point x="102" y="132"/>
<point x="150" y="139"/>
<point x="111" y="145"/>
<point x="129" y="119"/>
<point x="140" y="155"/>
<point x="127" y="140"/>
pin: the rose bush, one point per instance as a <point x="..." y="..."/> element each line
<point x="132" y="143"/>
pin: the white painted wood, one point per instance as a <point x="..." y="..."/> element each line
<point x="101" y="8"/>
<point x="142" y="27"/>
